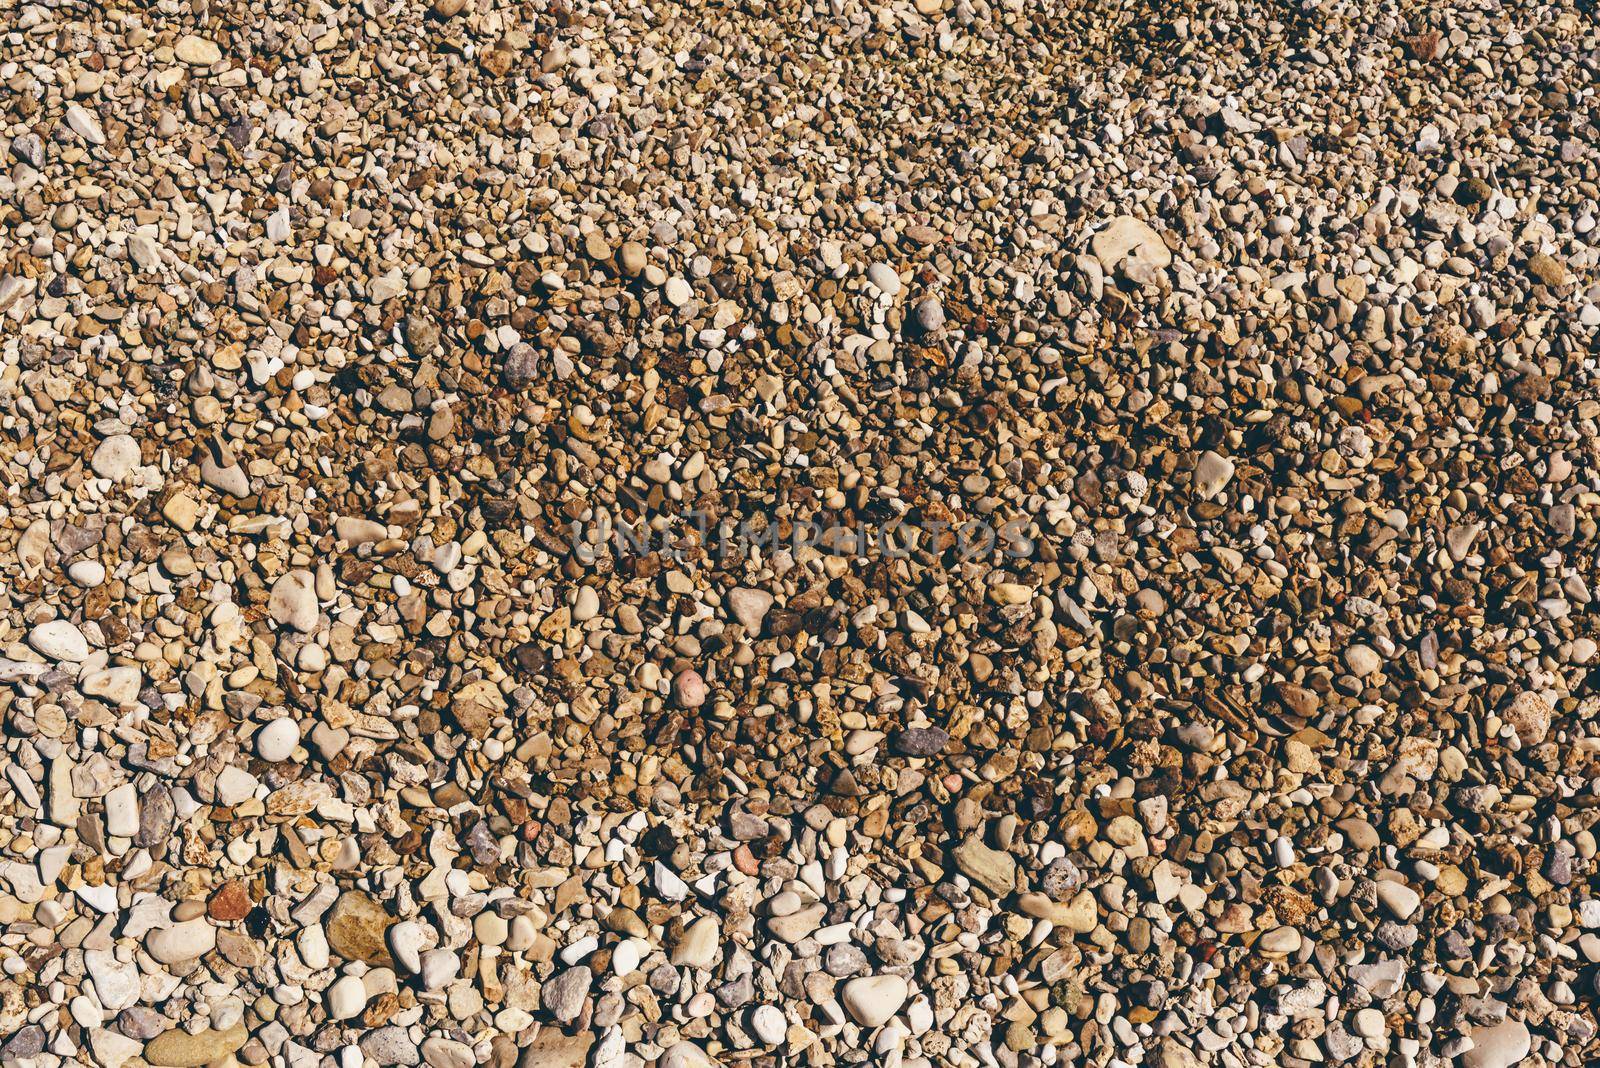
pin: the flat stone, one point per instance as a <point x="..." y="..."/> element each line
<point x="179" y="1049"/>
<point x="181" y="942"/>
<point x="552" y="1049"/>
<point x="1501" y="1046"/>
<point x="115" y="457"/>
<point x="59" y="640"/>
<point x="563" y="994"/>
<point x="1126" y="236"/>
<point x="356" y="926"/>
<point x="197" y="51"/>
<point x="1212" y="474"/>
<point x="750" y="607"/>
<point x="993" y="870"/>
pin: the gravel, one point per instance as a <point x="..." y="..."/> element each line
<point x="578" y="535"/>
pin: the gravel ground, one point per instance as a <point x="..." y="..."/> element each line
<point x="583" y="535"/>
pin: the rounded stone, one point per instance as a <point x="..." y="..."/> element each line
<point x="872" y="1000"/>
<point x="59" y="640"/>
<point x="115" y="457"/>
<point x="277" y="740"/>
<point x="689" y="689"/>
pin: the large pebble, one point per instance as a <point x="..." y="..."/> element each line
<point x="293" y="601"/>
<point x="346" y="997"/>
<point x="563" y="993"/>
<point x="59" y="640"/>
<point x="180" y="1049"/>
<point x="767" y="1025"/>
<point x="884" y="279"/>
<point x="115" y="457"/>
<point x="181" y="942"/>
<point x="698" y="946"/>
<point x="992" y="869"/>
<point x="1212" y="474"/>
<point x="1126" y="236"/>
<point x="872" y="1000"/>
<point x="198" y="51"/>
<point x="356" y="926"/>
<point x="1398" y="899"/>
<point x="749" y="607"/>
<point x="1501" y="1046"/>
<point x="277" y="740"/>
<point x="689" y="689"/>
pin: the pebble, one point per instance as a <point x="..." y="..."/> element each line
<point x="357" y="927"/>
<point x="391" y="1045"/>
<point x="929" y="314"/>
<point x="277" y="740"/>
<point x="115" y="457"/>
<point x="921" y="741"/>
<point x="563" y="994"/>
<point x="346" y="997"/>
<point x="873" y="1000"/>
<point x="884" y="279"/>
<point x="689" y="689"/>
<point x="698" y="946"/>
<point x="59" y="640"/>
<point x="198" y="51"/>
<point x="181" y="942"/>
<point x="1212" y="474"/>
<point x="293" y="601"/>
<point x="180" y="1049"/>
<point x="1500" y="1046"/>
<point x="1126" y="236"/>
<point x="767" y="1025"/>
<point x="438" y="968"/>
<point x="1399" y="899"/>
<point x="750" y="608"/>
<point x="988" y="867"/>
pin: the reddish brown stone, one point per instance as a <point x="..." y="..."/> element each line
<point x="230" y="902"/>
